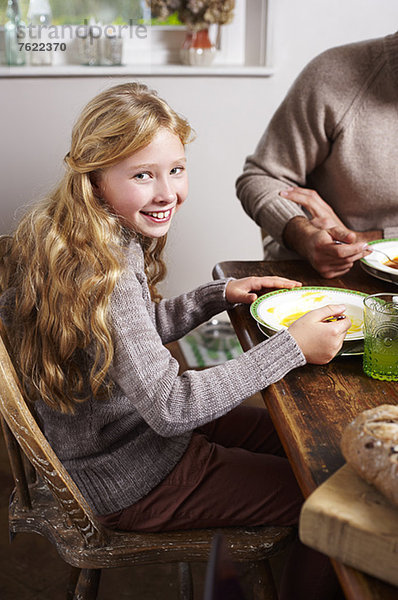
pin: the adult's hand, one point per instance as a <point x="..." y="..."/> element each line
<point x="319" y="246"/>
<point x="322" y="215"/>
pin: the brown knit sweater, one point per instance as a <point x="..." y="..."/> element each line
<point x="335" y="132"/>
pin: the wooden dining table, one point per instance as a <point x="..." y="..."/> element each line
<point x="311" y="406"/>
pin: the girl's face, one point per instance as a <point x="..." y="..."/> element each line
<point x="147" y="188"/>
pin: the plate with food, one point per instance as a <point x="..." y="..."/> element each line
<point x="378" y="264"/>
<point x="277" y="310"/>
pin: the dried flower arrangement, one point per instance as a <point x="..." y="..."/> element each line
<point x="195" y="14"/>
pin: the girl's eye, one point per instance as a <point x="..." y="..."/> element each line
<point x="177" y="170"/>
<point x="141" y="176"/>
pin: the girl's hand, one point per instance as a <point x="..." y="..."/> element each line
<point x="243" y="290"/>
<point x="319" y="339"/>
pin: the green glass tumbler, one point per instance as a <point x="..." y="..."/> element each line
<point x="380" y="357"/>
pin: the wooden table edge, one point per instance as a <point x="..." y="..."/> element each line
<point x="354" y="582"/>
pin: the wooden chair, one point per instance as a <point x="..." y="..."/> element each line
<point x="47" y="501"/>
<point x="222" y="580"/>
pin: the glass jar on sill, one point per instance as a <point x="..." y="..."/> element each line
<point x="197" y="49"/>
<point x="111" y="47"/>
<point x="89" y="45"/>
<point x="15" y="54"/>
<point x="39" y="17"/>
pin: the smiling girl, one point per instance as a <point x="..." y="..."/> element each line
<point x="149" y="449"/>
<point x="147" y="188"/>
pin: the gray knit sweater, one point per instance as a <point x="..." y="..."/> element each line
<point x="118" y="449"/>
<point x="335" y="132"/>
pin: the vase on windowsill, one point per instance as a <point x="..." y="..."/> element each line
<point x="197" y="49"/>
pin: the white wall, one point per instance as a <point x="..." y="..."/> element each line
<point x="228" y="114"/>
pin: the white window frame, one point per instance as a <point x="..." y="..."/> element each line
<point x="246" y="48"/>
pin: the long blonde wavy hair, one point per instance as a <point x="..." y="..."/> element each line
<point x="66" y="257"/>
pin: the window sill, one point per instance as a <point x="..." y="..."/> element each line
<point x="165" y="70"/>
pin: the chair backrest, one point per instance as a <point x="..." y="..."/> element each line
<point x="19" y="421"/>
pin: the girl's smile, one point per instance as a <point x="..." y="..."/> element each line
<point x="159" y="217"/>
<point x="147" y="188"/>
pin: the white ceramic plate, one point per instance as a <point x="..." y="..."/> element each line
<point x="375" y="263"/>
<point x="277" y="310"/>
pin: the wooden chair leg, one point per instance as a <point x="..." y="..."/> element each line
<point x="260" y="582"/>
<point x="31" y="475"/>
<point x="87" y="584"/>
<point x="74" y="574"/>
<point x="185" y="579"/>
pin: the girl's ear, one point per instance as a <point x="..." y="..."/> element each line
<point x="95" y="182"/>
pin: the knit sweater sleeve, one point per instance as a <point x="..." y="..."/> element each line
<point x="147" y="374"/>
<point x="390" y="232"/>
<point x="175" y="317"/>
<point x="297" y="140"/>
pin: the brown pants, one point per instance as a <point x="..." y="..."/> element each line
<point x="233" y="472"/>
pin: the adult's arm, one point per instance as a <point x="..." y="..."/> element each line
<point x="301" y="134"/>
<point x="297" y="139"/>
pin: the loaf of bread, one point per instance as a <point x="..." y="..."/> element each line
<point x="370" y="445"/>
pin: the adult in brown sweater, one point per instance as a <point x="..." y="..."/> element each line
<point x="326" y="168"/>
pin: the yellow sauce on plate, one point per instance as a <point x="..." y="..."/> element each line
<point x="316" y="298"/>
<point x="356" y="324"/>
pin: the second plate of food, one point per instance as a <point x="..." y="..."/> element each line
<point x="377" y="263"/>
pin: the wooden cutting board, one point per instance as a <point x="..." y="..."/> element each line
<point x="351" y="521"/>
